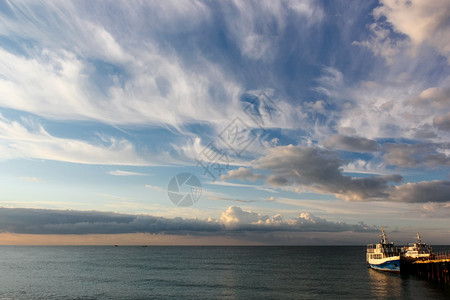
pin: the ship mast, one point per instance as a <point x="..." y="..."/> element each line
<point x="383" y="236"/>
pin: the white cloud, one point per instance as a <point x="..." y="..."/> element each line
<point x="152" y="85"/>
<point x="18" y="141"/>
<point x="422" y="21"/>
<point x="58" y="71"/>
<point x="32" y="179"/>
<point x="57" y="76"/>
<point x="392" y="107"/>
<point x="372" y="110"/>
<point x="434" y="96"/>
<point x="54" y="75"/>
<point x="54" y="84"/>
<point x="407" y="96"/>
<point x="126" y="173"/>
<point x="58" y="86"/>
<point x="253" y="186"/>
<point x="155" y="187"/>
<point x="365" y="167"/>
<point x="235" y="217"/>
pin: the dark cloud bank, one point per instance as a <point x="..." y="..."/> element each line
<point x="320" y="170"/>
<point x="234" y="220"/>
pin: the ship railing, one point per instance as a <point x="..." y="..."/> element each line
<point x="390" y="254"/>
<point x="439" y="255"/>
<point x="392" y="250"/>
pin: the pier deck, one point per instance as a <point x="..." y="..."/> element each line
<point x="436" y="268"/>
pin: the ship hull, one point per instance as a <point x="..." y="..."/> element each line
<point x="391" y="265"/>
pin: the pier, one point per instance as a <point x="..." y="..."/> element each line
<point x="436" y="268"/>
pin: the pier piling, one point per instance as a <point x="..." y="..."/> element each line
<point x="435" y="268"/>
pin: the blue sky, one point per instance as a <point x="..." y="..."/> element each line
<point x="316" y="121"/>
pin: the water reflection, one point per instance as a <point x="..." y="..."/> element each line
<point x="385" y="285"/>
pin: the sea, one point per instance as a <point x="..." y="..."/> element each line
<point x="191" y="272"/>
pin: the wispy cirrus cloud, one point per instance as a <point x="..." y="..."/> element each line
<point x="258" y="40"/>
<point x="113" y="197"/>
<point x="402" y="99"/>
<point x="32" y="179"/>
<point x="20" y="141"/>
<point x="95" y="74"/>
<point x="155" y="187"/>
<point x="126" y="173"/>
<point x="435" y="209"/>
<point x="171" y="77"/>
<point x="229" y="176"/>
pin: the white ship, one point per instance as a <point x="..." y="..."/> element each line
<point x="383" y="256"/>
<point x="417" y="250"/>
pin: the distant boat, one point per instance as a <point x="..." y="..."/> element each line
<point x="417" y="250"/>
<point x="383" y="256"/>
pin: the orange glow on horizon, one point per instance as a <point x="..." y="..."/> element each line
<point x="135" y="239"/>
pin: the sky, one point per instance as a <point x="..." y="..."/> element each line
<point x="224" y="122"/>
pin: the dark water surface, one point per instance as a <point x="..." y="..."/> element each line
<point x="98" y="272"/>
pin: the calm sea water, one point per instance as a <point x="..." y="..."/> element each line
<point x="88" y="272"/>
